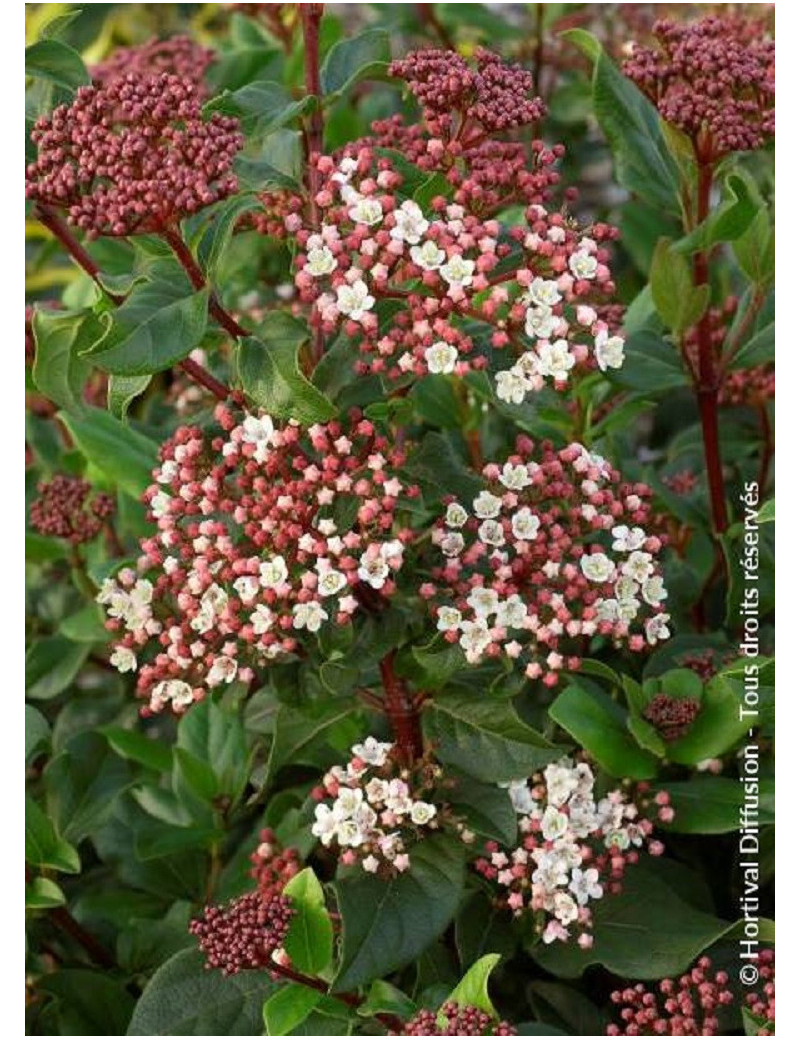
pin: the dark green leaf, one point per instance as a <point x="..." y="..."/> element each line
<point x="139" y="747"/>
<point x="43" y="847"/>
<point x="215" y="738"/>
<point x="124" y="456"/>
<point x="651" y="365"/>
<point x="51" y="665"/>
<point x="364" y="56"/>
<point x="82" y="783"/>
<point x="729" y="221"/>
<point x="678" y="301"/>
<point x="122" y="391"/>
<point x="711" y="805"/>
<point x="42" y="894"/>
<point x="56" y="62"/>
<point x="289" y="1008"/>
<point x="58" y="370"/>
<point x="37" y="733"/>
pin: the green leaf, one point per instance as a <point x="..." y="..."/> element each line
<point x="387" y="924"/>
<point x="122" y="391"/>
<point x="54" y="61"/>
<point x="473" y="989"/>
<point x="482" y="927"/>
<point x="183" y="999"/>
<point x="598" y="724"/>
<point x="730" y="220"/>
<point x="678" y="301"/>
<point x="384" y="998"/>
<point x="766" y="514"/>
<point x="58" y="370"/>
<point x="758" y="350"/>
<point x="289" y="1008"/>
<point x="125" y="457"/>
<point x="587" y="44"/>
<point x="711" y="805"/>
<point x="43" y="846"/>
<point x="645" y="932"/>
<point x="260" y="107"/>
<point x="42" y="894"/>
<point x="215" y="738"/>
<point x="85" y="626"/>
<point x="51" y="665"/>
<point x="37" y="733"/>
<point x="83" y="782"/>
<point x="222" y="223"/>
<point x="632" y="127"/>
<point x="717" y="728"/>
<point x="159" y="324"/>
<point x="147" y="751"/>
<point x="301" y="730"/>
<point x="485" y="737"/>
<point x="755" y="249"/>
<point x="438" y="662"/>
<point x="89" y="1003"/>
<point x="309" y="941"/>
<point x="271" y="376"/>
<point x="652" y="365"/>
<point x="486" y="807"/>
<point x="349" y="61"/>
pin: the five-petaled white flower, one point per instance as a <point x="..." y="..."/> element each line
<point x="458" y="271"/>
<point x="273" y="573"/>
<point x="487" y="505"/>
<point x="609" y="350"/>
<point x="331" y="582"/>
<point x="320" y="261"/>
<point x="441" y="358"/>
<point x="525" y="524"/>
<point x="309" y="616"/>
<point x="456" y="515"/>
<point x="583" y="265"/>
<point x="410" y="224"/>
<point x="597" y="567"/>
<point x="354" y="300"/>
<point x="123" y="659"/>
<point x="656" y="628"/>
<point x="540" y="322"/>
<point x="515" y="476"/>
<point x="428" y="256"/>
<point x="448" y="619"/>
<point x="543" y="293"/>
<point x="512" y="385"/>
<point x="366" y="211"/>
<point x="555" y="360"/>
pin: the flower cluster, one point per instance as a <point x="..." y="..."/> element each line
<point x="454" y="1019"/>
<point x="687" y="1006"/>
<point x="66" y="508"/>
<point x="761" y="1003"/>
<point x="245" y="934"/>
<point x="549" y="554"/>
<point x="178" y="56"/>
<point x="273" y="866"/>
<point x="373" y="810"/>
<point x="573" y="847"/>
<point x="713" y="79"/>
<point x="133" y="155"/>
<point x="265" y="533"/>
<point x="463" y="290"/>
<point x="672" y="716"/>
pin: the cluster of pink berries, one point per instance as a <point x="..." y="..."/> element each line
<point x="573" y="848"/>
<point x="179" y="56"/>
<point x="454" y="1019"/>
<point x="713" y="79"/>
<point x="133" y="155"/>
<point x="246" y="934"/>
<point x="761" y="1003"/>
<point x="536" y="290"/>
<point x="687" y="1006"/>
<point x="67" y="508"/>
<point x="374" y="810"/>
<point x="550" y="554"/>
<point x="265" y="533"/>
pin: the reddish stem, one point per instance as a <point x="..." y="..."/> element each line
<point x="173" y="238"/>
<point x="352" y="1000"/>
<point x="53" y="222"/>
<point x="707" y="381"/>
<point x="402" y="710"/>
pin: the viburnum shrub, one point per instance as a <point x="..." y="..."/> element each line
<point x="410" y="472"/>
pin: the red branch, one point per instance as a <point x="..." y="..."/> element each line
<point x="352" y="1000"/>
<point x="402" y="711"/>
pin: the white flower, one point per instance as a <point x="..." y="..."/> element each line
<point x="483" y="601"/>
<point x="475" y="637"/>
<point x="347" y="802"/>
<point x="373" y="752"/>
<point x="584" y="885"/>
<point x="638" y="566"/>
<point x="321" y="261"/>
<point x="123" y="659"/>
<point x="410" y="224"/>
<point x="354" y="300"/>
<point x="656" y="628"/>
<point x="441" y="358"/>
<point x="487" y="505"/>
<point x="583" y="265"/>
<point x="626" y="539"/>
<point x="448" y="619"/>
<point x="543" y="293"/>
<point x="458" y="271"/>
<point x="560" y="783"/>
<point x="377" y="790"/>
<point x="554" y="824"/>
<point x="246" y="588"/>
<point x="370" y="864"/>
<point x="428" y="256"/>
<point x="512" y="612"/>
<point x="515" y="477"/>
<point x="308" y="615"/>
<point x="608" y="610"/>
<point x="422" y="813"/>
<point x="525" y="524"/>
<point x="452" y="544"/>
<point x="172" y="690"/>
<point x="609" y="350"/>
<point x="159" y="504"/>
<point x="262" y="619"/>
<point x="366" y="211"/>
<point x="325" y="824"/>
<point x="260" y="432"/>
<point x="491" y="532"/>
<point x="512" y="385"/>
<point x="521" y="797"/>
<point x="168" y="472"/>
<point x="374" y="570"/>
<point x="565" y="908"/>
<point x="397" y="800"/>
<point x="224" y="669"/>
<point x="653" y="591"/>
<point x="540" y="322"/>
<point x="597" y="567"/>
<point x="331" y="582"/>
<point x="555" y="360"/>
<point x="392" y="550"/>
<point x="456" y="515"/>
<point x="273" y="572"/>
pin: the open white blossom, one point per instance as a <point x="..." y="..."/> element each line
<point x="597" y="567"/>
<point x="555" y="360"/>
<point x="441" y="358"/>
<point x="609" y="350"/>
<point x="366" y="211"/>
<point x="410" y="224"/>
<point x="428" y="256"/>
<point x="321" y="261"/>
<point x="309" y="616"/>
<point x="458" y="271"/>
<point x="583" y="265"/>
<point x="354" y="300"/>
